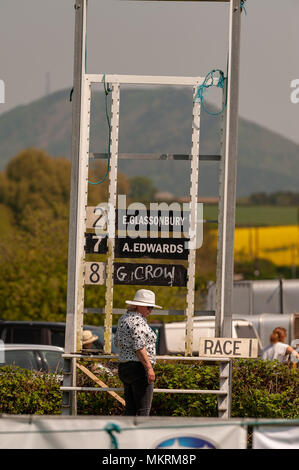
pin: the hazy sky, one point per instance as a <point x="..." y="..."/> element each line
<point x="155" y="38"/>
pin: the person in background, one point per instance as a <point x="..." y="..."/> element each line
<point x="88" y="339"/>
<point x="136" y="342"/>
<point x="278" y="349"/>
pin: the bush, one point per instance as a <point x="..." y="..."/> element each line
<point x="180" y="376"/>
<point x="26" y="392"/>
<point x="261" y="389"/>
<point x="265" y="389"/>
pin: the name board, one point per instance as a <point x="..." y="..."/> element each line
<point x="163" y="248"/>
<point x="228" y="347"/>
<point x="137" y="274"/>
<point x="139" y="220"/>
<point x="145" y="220"/>
<point x="150" y="274"/>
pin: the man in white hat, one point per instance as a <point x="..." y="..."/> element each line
<point x="136" y="342"/>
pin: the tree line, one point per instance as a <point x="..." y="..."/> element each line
<point x="278" y="198"/>
<point x="34" y="224"/>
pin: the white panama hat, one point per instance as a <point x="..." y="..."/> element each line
<point x="144" y="297"/>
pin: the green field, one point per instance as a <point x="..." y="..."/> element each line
<point x="258" y="215"/>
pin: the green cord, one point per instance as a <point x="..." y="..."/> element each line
<point x="207" y="83"/>
<point x="109" y="428"/>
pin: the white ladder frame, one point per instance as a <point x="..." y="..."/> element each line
<point x="116" y="81"/>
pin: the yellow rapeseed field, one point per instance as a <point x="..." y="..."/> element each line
<point x="278" y="244"/>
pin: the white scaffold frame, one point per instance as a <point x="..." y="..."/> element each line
<point x="78" y="203"/>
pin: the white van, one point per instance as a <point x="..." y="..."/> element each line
<point x="204" y="327"/>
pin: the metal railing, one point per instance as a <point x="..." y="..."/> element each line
<point x="223" y="393"/>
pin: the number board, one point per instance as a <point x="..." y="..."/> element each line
<point x="95" y="244"/>
<point x="95" y="273"/>
<point x="150" y="274"/>
<point x="96" y="217"/>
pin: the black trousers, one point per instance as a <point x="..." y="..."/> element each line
<point x="138" y="392"/>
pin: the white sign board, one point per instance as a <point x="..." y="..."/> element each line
<point x="276" y="437"/>
<point x="95" y="273"/>
<point x="96" y="217"/>
<point x="178" y="433"/>
<point x="228" y="347"/>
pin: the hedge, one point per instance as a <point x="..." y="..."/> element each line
<point x="25" y="392"/>
<point x="261" y="389"/>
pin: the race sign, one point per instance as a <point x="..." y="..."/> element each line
<point x="163" y="248"/>
<point x="228" y="347"/>
<point x="150" y="274"/>
<point x="95" y="273"/>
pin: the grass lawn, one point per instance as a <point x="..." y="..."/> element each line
<point x="258" y="215"/>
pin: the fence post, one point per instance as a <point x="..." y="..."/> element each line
<point x="224" y="401"/>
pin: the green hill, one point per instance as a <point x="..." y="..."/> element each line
<point x="157" y="120"/>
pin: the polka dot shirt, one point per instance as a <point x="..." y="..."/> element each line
<point x="134" y="333"/>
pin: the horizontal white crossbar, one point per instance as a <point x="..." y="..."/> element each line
<point x="100" y="357"/>
<point x="154" y="156"/>
<point x="186" y="1"/>
<point x="121" y="311"/>
<point x="146" y="79"/>
<point x="156" y="390"/>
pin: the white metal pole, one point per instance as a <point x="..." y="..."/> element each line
<point x="218" y="319"/>
<point x="111" y="215"/>
<point x="193" y="224"/>
<point x="226" y="242"/>
<point x="77" y="206"/>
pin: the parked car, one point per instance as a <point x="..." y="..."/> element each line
<point x="170" y="336"/>
<point x="264" y="324"/>
<point x="174" y="333"/>
<point x="37" y="357"/>
<point x="53" y="333"/>
<point x="43" y="332"/>
<point x="32" y="332"/>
